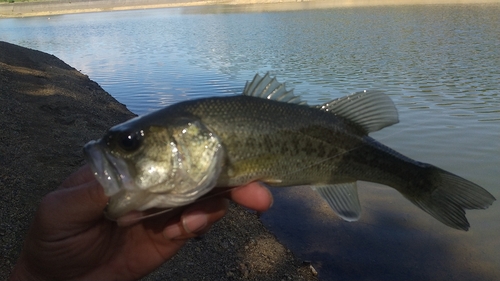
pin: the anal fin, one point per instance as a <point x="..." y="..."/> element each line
<point x="342" y="198"/>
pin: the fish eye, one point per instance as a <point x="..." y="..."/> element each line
<point x="130" y="141"/>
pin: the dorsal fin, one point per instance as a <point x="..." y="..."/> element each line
<point x="269" y="88"/>
<point x="372" y="110"/>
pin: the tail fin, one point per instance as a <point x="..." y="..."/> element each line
<point x="451" y="195"/>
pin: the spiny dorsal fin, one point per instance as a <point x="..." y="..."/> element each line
<point x="372" y="110"/>
<point x="269" y="88"/>
<point x="342" y="198"/>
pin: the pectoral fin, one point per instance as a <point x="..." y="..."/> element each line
<point x="342" y="198"/>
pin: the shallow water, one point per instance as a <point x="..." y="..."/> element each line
<point x="439" y="63"/>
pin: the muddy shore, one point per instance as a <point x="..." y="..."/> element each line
<point x="49" y="111"/>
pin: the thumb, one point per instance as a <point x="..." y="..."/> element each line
<point x="83" y="175"/>
<point x="70" y="210"/>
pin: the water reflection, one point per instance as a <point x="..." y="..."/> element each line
<point x="388" y="243"/>
<point x="439" y="63"/>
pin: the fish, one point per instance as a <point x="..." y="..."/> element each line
<point x="175" y="156"/>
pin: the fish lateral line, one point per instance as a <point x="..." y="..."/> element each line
<point x="269" y="115"/>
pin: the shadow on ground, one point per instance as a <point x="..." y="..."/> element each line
<point x="389" y="242"/>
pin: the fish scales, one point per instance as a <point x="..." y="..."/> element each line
<point x="176" y="155"/>
<point x="325" y="147"/>
<point x="261" y="144"/>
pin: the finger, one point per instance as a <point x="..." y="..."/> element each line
<point x="157" y="216"/>
<point x="130" y="218"/>
<point x="64" y="210"/>
<point x="196" y="219"/>
<point x="81" y="176"/>
<point x="253" y="196"/>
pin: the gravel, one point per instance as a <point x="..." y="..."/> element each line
<point x="48" y="111"/>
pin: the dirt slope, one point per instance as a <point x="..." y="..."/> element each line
<point x="48" y="111"/>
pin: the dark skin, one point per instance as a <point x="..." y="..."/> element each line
<point x="70" y="239"/>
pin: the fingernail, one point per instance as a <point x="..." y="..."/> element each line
<point x="195" y="222"/>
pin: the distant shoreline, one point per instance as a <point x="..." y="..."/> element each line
<point x="57" y="7"/>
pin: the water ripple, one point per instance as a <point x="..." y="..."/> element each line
<point x="439" y="63"/>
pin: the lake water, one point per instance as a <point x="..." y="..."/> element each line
<point x="439" y="63"/>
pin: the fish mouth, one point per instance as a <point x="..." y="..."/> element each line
<point x="111" y="172"/>
<point x="114" y="176"/>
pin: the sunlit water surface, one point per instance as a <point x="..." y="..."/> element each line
<point x="440" y="65"/>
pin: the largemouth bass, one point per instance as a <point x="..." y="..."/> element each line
<point x="172" y="157"/>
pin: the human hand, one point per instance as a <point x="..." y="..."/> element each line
<point x="71" y="239"/>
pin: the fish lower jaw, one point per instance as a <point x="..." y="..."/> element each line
<point x="113" y="181"/>
<point x="111" y="172"/>
<point x="126" y="201"/>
